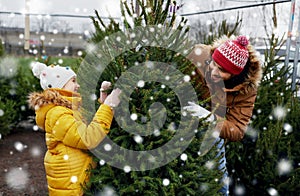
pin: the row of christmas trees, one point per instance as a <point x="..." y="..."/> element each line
<point x="265" y="162"/>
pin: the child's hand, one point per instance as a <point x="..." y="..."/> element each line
<point x="104" y="87"/>
<point x="113" y="99"/>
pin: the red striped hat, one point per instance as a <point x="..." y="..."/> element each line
<point x="232" y="55"/>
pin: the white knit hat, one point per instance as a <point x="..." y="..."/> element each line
<point x="52" y="76"/>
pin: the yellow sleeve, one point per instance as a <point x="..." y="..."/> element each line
<point x="72" y="131"/>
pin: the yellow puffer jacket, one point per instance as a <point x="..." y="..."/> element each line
<point x="68" y="138"/>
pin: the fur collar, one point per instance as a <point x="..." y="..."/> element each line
<point x="252" y="79"/>
<point x="57" y="97"/>
<point x="253" y="73"/>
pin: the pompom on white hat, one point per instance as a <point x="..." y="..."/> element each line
<point x="53" y="76"/>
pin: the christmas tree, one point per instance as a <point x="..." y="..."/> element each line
<point x="266" y="162"/>
<point x="153" y="145"/>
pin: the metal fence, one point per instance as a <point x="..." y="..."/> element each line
<point x="49" y="34"/>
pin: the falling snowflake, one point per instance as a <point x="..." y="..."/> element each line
<point x="186" y="78"/>
<point x="252" y="132"/>
<point x="101" y="162"/>
<point x="86" y="32"/>
<point x="17" y="178"/>
<point x="138" y="139"/>
<point x="90" y="48"/>
<point x="144" y="119"/>
<point x="127" y="169"/>
<point x="118" y="38"/>
<point x="60" y="61"/>
<point x="35" y="128"/>
<point x="107" y="191"/>
<point x="272" y="192"/>
<point x="151" y="159"/>
<point x="210" y="164"/>
<point x="208" y="22"/>
<point x="107" y="147"/>
<point x="166" y="182"/>
<point x="19" y="146"/>
<point x="8" y="67"/>
<point x="287" y="127"/>
<point x="141" y="83"/>
<point x="132" y="35"/>
<point x="66" y="50"/>
<point x="204" y="187"/>
<point x="284" y="167"/>
<point x="74" y="179"/>
<point x="279" y="112"/>
<point x="156" y="132"/>
<point x="42" y="37"/>
<point x="258" y="111"/>
<point x="35" y="151"/>
<point x="198" y="51"/>
<point x="1" y="112"/>
<point x="184" y="157"/>
<point x="172" y="126"/>
<point x="239" y="190"/>
<point x="134" y="117"/>
<point x="12" y="91"/>
<point x="93" y="97"/>
<point x="23" y="108"/>
<point x="149" y="64"/>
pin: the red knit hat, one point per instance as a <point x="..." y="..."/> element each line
<point x="232" y="55"/>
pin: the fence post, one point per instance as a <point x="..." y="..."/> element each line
<point x="296" y="57"/>
<point x="27" y="26"/>
<point x="289" y="35"/>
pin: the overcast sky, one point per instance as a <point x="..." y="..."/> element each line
<point x="111" y="7"/>
<point x="78" y="7"/>
<point x="106" y="7"/>
<point x="87" y="7"/>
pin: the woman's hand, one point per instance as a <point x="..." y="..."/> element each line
<point x="197" y="110"/>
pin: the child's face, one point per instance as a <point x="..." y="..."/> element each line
<point x="72" y="85"/>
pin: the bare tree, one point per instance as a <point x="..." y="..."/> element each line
<point x="45" y="24"/>
<point x="206" y="33"/>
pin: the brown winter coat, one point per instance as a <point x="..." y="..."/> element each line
<point x="67" y="138"/>
<point x="234" y="104"/>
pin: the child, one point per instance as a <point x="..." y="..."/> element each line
<point x="68" y="137"/>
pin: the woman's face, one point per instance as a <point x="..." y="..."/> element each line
<point x="218" y="74"/>
<point x="72" y="85"/>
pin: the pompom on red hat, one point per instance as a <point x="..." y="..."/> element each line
<point x="232" y="55"/>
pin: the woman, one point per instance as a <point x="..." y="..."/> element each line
<point x="229" y="71"/>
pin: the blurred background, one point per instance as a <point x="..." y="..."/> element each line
<point x="62" y="27"/>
